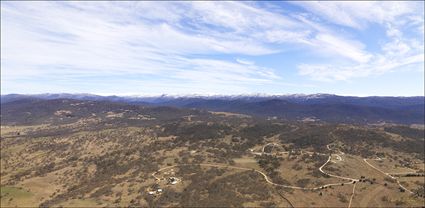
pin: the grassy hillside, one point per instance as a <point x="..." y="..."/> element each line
<point x="90" y="153"/>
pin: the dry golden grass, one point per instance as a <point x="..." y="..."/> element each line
<point x="36" y="189"/>
<point x="390" y="166"/>
<point x="17" y="196"/>
<point x="353" y="167"/>
<point x="329" y="197"/>
<point x="412" y="183"/>
<point x="82" y="203"/>
<point x="377" y="195"/>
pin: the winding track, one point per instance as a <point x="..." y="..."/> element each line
<point x="351" y="180"/>
<point x="352" y="196"/>
<point x="260" y="172"/>
<point x="285" y="152"/>
<point x="264" y="147"/>
<point x="335" y="176"/>
<point x="389" y="175"/>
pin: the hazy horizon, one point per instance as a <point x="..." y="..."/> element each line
<point x="204" y="95"/>
<point x="212" y="103"/>
<point x="225" y="48"/>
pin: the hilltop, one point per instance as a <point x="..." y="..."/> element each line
<point x="323" y="107"/>
<point x="67" y="152"/>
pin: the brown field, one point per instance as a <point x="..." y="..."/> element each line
<point x="198" y="183"/>
<point x="390" y="166"/>
<point x="329" y="197"/>
<point x="353" y="167"/>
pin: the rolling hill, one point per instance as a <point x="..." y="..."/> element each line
<point x="324" y="107"/>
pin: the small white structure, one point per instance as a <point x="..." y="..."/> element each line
<point x="159" y="190"/>
<point x="151" y="192"/>
<point x="173" y="180"/>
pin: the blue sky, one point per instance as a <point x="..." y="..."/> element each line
<point x="151" y="48"/>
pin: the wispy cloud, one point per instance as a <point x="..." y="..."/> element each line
<point x="202" y="46"/>
<point x="80" y="38"/>
<point x="396" y="52"/>
<point x="359" y="14"/>
<point x="326" y="72"/>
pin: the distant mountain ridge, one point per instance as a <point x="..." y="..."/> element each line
<point x="60" y="111"/>
<point x="324" y="107"/>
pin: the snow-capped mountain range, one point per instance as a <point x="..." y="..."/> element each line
<point x="326" y="107"/>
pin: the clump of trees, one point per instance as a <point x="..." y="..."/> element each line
<point x="303" y="182"/>
<point x="406" y="131"/>
<point x="314" y="136"/>
<point x="268" y="162"/>
<point x="205" y="189"/>
<point x="195" y="132"/>
<point x="342" y="198"/>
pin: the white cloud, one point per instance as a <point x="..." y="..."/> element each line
<point x="184" y="42"/>
<point x="238" y="17"/>
<point x="245" y="62"/>
<point x="397" y="51"/>
<point x="53" y="40"/>
<point x="358" y="14"/>
<point x="380" y="65"/>
<point x="350" y="49"/>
